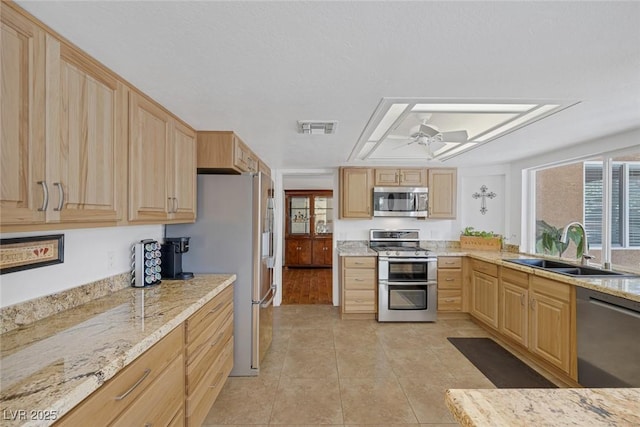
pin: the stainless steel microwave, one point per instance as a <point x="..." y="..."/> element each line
<point x="400" y="201"/>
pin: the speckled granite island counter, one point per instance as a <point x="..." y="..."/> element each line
<point x="545" y="407"/>
<point x="51" y="365"/>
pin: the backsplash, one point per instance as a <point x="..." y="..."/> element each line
<point x="24" y="313"/>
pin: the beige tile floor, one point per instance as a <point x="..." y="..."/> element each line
<point x="322" y="370"/>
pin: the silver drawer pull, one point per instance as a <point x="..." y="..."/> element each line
<point x="358" y="280"/>
<point x="214" y="385"/>
<point x="217" y="340"/>
<point x="214" y="309"/>
<point x="449" y="300"/>
<point x="61" y="197"/>
<point x="133" y="387"/>
<point x="449" y="279"/>
<point x="45" y="200"/>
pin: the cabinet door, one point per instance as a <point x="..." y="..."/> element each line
<point x="149" y="133"/>
<point x="322" y="215"/>
<point x="550" y="329"/>
<point x="291" y="251"/>
<point x="355" y="193"/>
<point x="299" y="215"/>
<point x="387" y="177"/>
<point x="82" y="122"/>
<point x="183" y="174"/>
<point x="22" y="112"/>
<point x="413" y="177"/>
<point x="515" y="321"/>
<point x="321" y="252"/>
<point x="484" y="301"/>
<point x="442" y="193"/>
<point x="298" y="252"/>
<point x="304" y="255"/>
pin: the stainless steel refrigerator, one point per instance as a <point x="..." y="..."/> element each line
<point x="233" y="233"/>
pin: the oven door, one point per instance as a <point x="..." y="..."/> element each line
<point x="407" y="270"/>
<point x="402" y="302"/>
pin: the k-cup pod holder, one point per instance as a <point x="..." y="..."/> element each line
<point x="146" y="263"/>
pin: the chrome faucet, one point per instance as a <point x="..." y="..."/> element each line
<point x="565" y="239"/>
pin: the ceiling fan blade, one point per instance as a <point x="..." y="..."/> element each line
<point x="428" y="130"/>
<point x="455" y="136"/>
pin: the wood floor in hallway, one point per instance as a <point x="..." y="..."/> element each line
<point x="307" y="286"/>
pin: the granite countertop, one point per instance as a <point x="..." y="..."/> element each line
<point x="54" y="363"/>
<point x="545" y="407"/>
<point x="625" y="287"/>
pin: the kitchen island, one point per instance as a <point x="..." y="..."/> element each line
<point x="545" y="407"/>
<point x="50" y="366"/>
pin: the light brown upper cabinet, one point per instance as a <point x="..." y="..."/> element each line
<point x="442" y="185"/>
<point x="161" y="164"/>
<point x="22" y="103"/>
<point x="182" y="179"/>
<point x="356" y="185"/>
<point x="83" y="118"/>
<point x="62" y="159"/>
<point x="400" y="177"/>
<point x="225" y="152"/>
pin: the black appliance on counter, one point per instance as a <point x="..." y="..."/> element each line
<point x="172" y="250"/>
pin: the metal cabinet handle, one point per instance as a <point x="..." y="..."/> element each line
<point x="218" y="338"/>
<point x="175" y="205"/>
<point x="533" y="304"/>
<point x="45" y="200"/>
<point x="449" y="300"/>
<point x="133" y="387"/>
<point x="522" y="299"/>
<point x="169" y="205"/>
<point x="448" y="279"/>
<point x="61" y="198"/>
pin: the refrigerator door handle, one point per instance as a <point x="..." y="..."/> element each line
<point x="269" y="302"/>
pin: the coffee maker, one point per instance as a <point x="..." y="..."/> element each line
<point x="172" y="250"/>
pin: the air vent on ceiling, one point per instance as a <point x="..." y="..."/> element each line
<point x="317" y="127"/>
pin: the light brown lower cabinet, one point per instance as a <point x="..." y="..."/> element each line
<point x="175" y="382"/>
<point x="550" y="324"/>
<point x="536" y="313"/>
<point x="449" y="283"/>
<point x="484" y="292"/>
<point x="514" y="305"/>
<point x="358" y="279"/>
<point x="148" y="391"/>
<point x="209" y="355"/>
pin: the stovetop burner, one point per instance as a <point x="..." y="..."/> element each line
<point x="397" y="243"/>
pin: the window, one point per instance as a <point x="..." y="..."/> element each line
<point x="625" y="203"/>
<point x="574" y="192"/>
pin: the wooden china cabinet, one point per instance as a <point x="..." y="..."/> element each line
<point x="309" y="228"/>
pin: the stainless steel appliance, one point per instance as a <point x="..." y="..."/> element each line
<point x="400" y="201"/>
<point x="407" y="277"/>
<point x="233" y="233"/>
<point x="608" y="330"/>
<point x="171" y="251"/>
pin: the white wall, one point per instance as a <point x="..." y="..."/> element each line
<point x="87" y="258"/>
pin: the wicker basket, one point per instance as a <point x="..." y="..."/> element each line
<point x="481" y="243"/>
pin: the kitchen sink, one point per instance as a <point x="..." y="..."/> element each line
<point x="568" y="268"/>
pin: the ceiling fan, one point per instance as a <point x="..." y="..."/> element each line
<point x="432" y="139"/>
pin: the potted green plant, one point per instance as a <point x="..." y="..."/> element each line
<point x="471" y="238"/>
<point x="548" y="239"/>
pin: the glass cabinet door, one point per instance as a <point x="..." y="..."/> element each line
<point x="299" y="214"/>
<point x="323" y="214"/>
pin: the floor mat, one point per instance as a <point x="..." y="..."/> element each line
<point x="502" y="368"/>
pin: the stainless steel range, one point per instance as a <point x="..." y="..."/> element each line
<point x="407" y="277"/>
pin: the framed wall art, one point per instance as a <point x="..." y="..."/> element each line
<point x="23" y="253"/>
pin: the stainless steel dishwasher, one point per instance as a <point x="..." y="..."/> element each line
<point x="608" y="330"/>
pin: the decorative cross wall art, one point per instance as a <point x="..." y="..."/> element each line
<point x="483" y="194"/>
